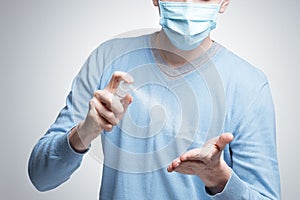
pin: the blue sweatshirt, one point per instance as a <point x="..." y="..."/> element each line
<point x="174" y="110"/>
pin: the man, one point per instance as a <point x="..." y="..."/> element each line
<point x="241" y="163"/>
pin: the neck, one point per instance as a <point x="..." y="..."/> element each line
<point x="176" y="57"/>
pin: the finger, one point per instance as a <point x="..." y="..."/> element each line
<point x="104" y="97"/>
<point x="175" y="163"/>
<point x="102" y="111"/>
<point x="212" y="150"/>
<point x="116" y="78"/>
<point x="126" y="101"/>
<point x="202" y="155"/>
<point x="170" y="168"/>
<point x="191" y="155"/>
<point x="189" y="167"/>
<point x="107" y="126"/>
<point x="116" y="106"/>
<point x="103" y="123"/>
<point x="223" y="140"/>
<point x="109" y="100"/>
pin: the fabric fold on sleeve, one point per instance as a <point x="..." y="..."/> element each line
<point x="235" y="189"/>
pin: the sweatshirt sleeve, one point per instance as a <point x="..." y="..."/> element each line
<point x="53" y="160"/>
<point x="255" y="173"/>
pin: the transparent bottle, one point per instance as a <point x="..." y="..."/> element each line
<point x="122" y="90"/>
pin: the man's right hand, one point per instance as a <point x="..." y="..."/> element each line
<point x="105" y="111"/>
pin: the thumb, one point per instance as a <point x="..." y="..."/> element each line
<point x="223" y="140"/>
<point x="116" y="78"/>
<point x="126" y="101"/>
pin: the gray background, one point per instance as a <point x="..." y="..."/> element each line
<point x="44" y="43"/>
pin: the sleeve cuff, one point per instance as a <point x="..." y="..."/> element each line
<point x="68" y="154"/>
<point x="234" y="189"/>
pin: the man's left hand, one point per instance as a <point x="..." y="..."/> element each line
<point x="207" y="163"/>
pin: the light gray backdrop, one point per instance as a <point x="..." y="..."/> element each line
<point x="44" y="43"/>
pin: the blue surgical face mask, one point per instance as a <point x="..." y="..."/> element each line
<point x="187" y="24"/>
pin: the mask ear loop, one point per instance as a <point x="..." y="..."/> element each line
<point x="220" y="4"/>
